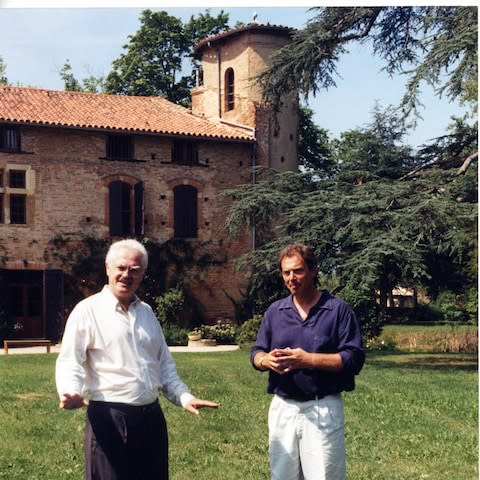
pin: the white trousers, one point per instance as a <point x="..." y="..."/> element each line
<point x="306" y="439"/>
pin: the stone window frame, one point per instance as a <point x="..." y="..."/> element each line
<point x="16" y="194"/>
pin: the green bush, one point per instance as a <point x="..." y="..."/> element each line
<point x="175" y="335"/>
<point x="223" y="332"/>
<point x="450" y="306"/>
<point x="247" y="332"/>
<point x="169" y="305"/>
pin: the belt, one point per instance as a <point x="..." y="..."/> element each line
<point x="126" y="407"/>
<point x="305" y="398"/>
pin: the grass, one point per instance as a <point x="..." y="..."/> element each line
<point x="412" y="416"/>
<point x="432" y="338"/>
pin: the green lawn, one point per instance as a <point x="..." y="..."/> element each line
<point x="412" y="417"/>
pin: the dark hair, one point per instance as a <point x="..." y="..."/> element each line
<point x="306" y="253"/>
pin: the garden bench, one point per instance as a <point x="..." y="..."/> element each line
<point x="30" y="342"/>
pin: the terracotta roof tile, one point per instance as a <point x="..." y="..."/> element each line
<point x="110" y="112"/>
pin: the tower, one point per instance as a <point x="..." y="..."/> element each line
<point x="227" y="90"/>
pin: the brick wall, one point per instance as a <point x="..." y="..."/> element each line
<point x="69" y="197"/>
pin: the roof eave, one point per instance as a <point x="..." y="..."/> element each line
<point x="91" y="128"/>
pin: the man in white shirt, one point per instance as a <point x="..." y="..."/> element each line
<point x="114" y="351"/>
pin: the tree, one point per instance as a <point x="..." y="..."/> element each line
<point x="156" y="53"/>
<point x="437" y="45"/>
<point x="314" y="150"/>
<point x="373" y="226"/>
<point x="387" y="212"/>
<point x="71" y="84"/>
<point x="3" y="69"/>
<point x="90" y="84"/>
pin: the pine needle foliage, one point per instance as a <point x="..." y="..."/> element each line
<point x="375" y="225"/>
<point x="437" y="45"/>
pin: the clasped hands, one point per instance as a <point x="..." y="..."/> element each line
<point x="285" y="360"/>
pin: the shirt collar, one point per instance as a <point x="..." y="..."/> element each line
<point x="112" y="300"/>
<point x="324" y="302"/>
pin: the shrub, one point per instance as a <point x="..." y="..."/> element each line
<point x="175" y="335"/>
<point x="450" y="306"/>
<point x="169" y="305"/>
<point x="223" y="332"/>
<point x="247" y="332"/>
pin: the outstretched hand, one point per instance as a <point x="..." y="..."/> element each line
<point x="70" y="401"/>
<point x="194" y="405"/>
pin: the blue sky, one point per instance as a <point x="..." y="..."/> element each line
<point x="36" y="42"/>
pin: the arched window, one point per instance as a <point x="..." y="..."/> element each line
<point x="229" y="89"/>
<point x="185" y="218"/>
<point x="126" y="208"/>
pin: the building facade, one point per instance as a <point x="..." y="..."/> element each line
<point x="76" y="166"/>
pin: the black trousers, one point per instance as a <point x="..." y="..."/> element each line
<point x="125" y="442"/>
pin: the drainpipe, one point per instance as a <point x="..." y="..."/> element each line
<point x="219" y="67"/>
<point x="254" y="177"/>
<point x="254" y="172"/>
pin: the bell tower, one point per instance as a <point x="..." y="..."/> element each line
<point x="227" y="90"/>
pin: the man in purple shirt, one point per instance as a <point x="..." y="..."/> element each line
<point x="310" y="342"/>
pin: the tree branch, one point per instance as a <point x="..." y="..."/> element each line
<point x="467" y="163"/>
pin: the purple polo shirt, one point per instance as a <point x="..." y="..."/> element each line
<point x="331" y="327"/>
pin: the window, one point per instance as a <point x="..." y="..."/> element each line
<point x="185" y="211"/>
<point x="229" y="89"/>
<point x="18" y="209"/>
<point x="185" y="153"/>
<point x="120" y="147"/>
<point x="125" y="208"/>
<point x="9" y="139"/>
<point x="17" y="179"/>
<point x="13" y="196"/>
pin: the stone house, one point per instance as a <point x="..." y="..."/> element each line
<point x="76" y="165"/>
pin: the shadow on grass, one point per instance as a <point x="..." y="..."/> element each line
<point x="438" y="361"/>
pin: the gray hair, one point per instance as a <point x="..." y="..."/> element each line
<point x="127" y="244"/>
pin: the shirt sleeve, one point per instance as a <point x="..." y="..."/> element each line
<point x="263" y="340"/>
<point x="172" y="386"/>
<point x="350" y="341"/>
<point x="69" y="367"/>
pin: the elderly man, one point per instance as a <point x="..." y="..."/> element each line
<point x="113" y="351"/>
<point x="311" y="345"/>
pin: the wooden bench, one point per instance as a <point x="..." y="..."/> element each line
<point x="30" y="342"/>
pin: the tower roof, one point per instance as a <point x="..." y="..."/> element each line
<point x="250" y="27"/>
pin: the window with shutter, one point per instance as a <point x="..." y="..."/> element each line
<point x="185" y="211"/>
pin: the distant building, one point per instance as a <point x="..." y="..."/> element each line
<point x="400" y="297"/>
<point x="106" y="166"/>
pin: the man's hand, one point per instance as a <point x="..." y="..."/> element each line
<point x="288" y="359"/>
<point x="70" y="401"/>
<point x="195" y="404"/>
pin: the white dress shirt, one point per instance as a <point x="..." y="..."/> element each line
<point x="110" y="355"/>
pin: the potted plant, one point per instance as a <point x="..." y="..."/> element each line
<point x="194" y="335"/>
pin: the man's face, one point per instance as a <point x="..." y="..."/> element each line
<point x="125" y="273"/>
<point x="297" y="276"/>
